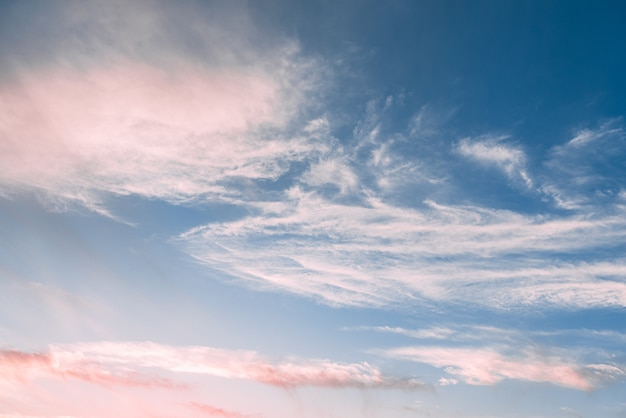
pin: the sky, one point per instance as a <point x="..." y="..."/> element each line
<point x="292" y="209"/>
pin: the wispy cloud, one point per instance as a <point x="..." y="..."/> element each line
<point x="214" y="411"/>
<point x="20" y="366"/>
<point x="436" y="333"/>
<point x="465" y="333"/>
<point x="380" y="254"/>
<point x="486" y="355"/>
<point x="331" y="171"/>
<point x="15" y="415"/>
<point x="588" y="169"/>
<point x="127" y="364"/>
<point x="176" y="129"/>
<point x="490" y="365"/>
<point x="494" y="151"/>
<point x="168" y="127"/>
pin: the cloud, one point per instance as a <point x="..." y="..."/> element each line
<point x="127" y="364"/>
<point x="156" y="119"/>
<point x="378" y="254"/>
<point x="213" y="411"/>
<point x="587" y="170"/>
<point x="487" y="355"/>
<point x="491" y="365"/>
<point x="466" y="333"/>
<point x="436" y="333"/>
<point x="444" y="381"/>
<point x="185" y="113"/>
<point x="331" y="171"/>
<point x="18" y="366"/>
<point x="35" y="416"/>
<point x="493" y="151"/>
<point x="586" y="137"/>
<point x="360" y="247"/>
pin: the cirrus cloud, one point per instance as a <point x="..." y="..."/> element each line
<point x="128" y="363"/>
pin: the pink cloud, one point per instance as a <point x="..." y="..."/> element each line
<point x="23" y="367"/>
<point x="488" y="366"/>
<point x="126" y="364"/>
<point x="325" y="374"/>
<point x="213" y="411"/>
<point x="124" y="379"/>
<point x="136" y="129"/>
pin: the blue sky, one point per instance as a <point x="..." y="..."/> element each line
<point x="312" y="209"/>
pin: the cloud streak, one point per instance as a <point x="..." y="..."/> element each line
<point x="213" y="411"/>
<point x="491" y="365"/>
<point x="493" y="151"/>
<point x="18" y="366"/>
<point x="381" y="254"/>
<point x="587" y="170"/>
<point x="487" y="355"/>
<point x="128" y="364"/>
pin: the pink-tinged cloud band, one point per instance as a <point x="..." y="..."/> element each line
<point x="213" y="411"/>
<point x="490" y="365"/>
<point x="128" y="364"/>
<point x="21" y="367"/>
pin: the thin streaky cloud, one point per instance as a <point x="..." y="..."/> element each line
<point x="381" y="254"/>
<point x="491" y="365"/>
<point x="585" y="137"/>
<point x="435" y="333"/>
<point x="494" y="151"/>
<point x="214" y="411"/>
<point x="36" y="416"/>
<point x="587" y="171"/>
<point x="18" y="366"/>
<point x="577" y="337"/>
<point x="125" y="363"/>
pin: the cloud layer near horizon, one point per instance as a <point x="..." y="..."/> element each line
<point x="486" y="355"/>
<point x="129" y="364"/>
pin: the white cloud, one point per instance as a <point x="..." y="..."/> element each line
<point x="588" y="168"/>
<point x="586" y="137"/>
<point x="493" y="151"/>
<point x="332" y="171"/>
<point x="444" y="381"/>
<point x="380" y="254"/>
<point x="436" y="333"/>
